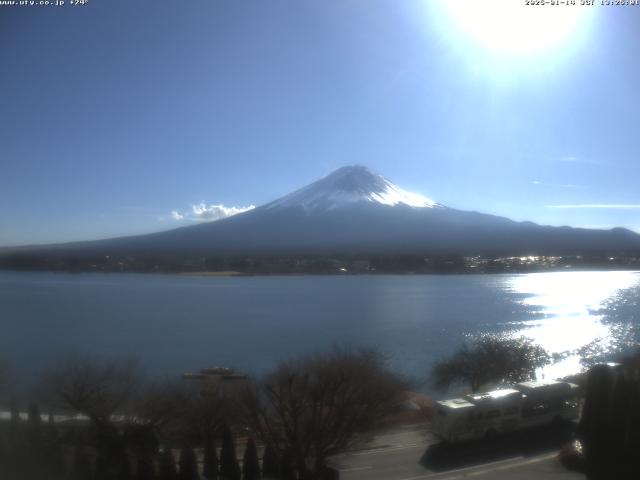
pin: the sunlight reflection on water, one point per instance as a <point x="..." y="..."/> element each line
<point x="569" y="307"/>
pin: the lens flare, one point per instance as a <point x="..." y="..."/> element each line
<point x="516" y="27"/>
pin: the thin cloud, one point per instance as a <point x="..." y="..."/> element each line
<point x="620" y="206"/>
<point x="202" y="212"/>
<point x="557" y="185"/>
<point x="574" y="159"/>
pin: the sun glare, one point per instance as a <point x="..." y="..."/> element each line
<point x="513" y="27"/>
<point x="569" y="306"/>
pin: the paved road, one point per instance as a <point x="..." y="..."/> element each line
<point x="411" y="454"/>
<point x="541" y="467"/>
<point x="393" y="463"/>
<point x="391" y="455"/>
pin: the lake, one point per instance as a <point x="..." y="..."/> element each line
<point x="177" y="323"/>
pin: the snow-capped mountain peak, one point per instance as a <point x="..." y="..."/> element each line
<point x="349" y="185"/>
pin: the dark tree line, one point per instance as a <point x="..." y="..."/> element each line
<point x="610" y="424"/>
<point x="130" y="429"/>
<point x="31" y="448"/>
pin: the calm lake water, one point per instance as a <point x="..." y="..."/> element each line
<point x="180" y="323"/>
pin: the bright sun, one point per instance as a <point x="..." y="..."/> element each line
<point x="512" y="27"/>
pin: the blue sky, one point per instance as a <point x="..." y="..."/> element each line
<point x="116" y="113"/>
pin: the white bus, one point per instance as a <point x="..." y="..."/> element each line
<point x="484" y="415"/>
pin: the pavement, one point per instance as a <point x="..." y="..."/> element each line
<point x="413" y="453"/>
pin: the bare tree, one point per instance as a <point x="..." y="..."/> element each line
<point x="209" y="408"/>
<point x="316" y="406"/>
<point x="99" y="390"/>
<point x="104" y="392"/>
<point x="490" y="359"/>
<point x="175" y="414"/>
<point x="161" y="407"/>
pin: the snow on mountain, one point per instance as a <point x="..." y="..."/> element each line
<point x="350" y="185"/>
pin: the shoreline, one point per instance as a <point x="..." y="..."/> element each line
<point x="224" y="273"/>
<point x="235" y="273"/>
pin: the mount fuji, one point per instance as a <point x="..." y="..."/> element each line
<point x="350" y="185"/>
<point x="354" y="211"/>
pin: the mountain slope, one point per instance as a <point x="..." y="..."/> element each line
<point x="355" y="211"/>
